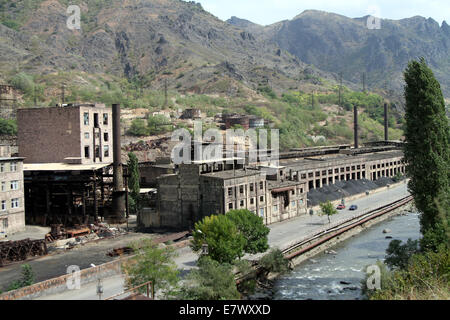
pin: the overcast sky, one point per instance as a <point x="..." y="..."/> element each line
<point x="270" y="11"/>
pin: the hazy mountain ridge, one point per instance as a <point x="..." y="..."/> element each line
<point x="335" y="43"/>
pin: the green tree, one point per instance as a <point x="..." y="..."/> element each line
<point x="158" y="124"/>
<point x="138" y="128"/>
<point x="225" y="242"/>
<point x="211" y="281"/>
<point x="327" y="209"/>
<point x="274" y="261"/>
<point x="152" y="264"/>
<point x="8" y="127"/>
<point x="427" y="152"/>
<point x="252" y="228"/>
<point x="133" y="182"/>
<point x="397" y="255"/>
<point x="26" y="280"/>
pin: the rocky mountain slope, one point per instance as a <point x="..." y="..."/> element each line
<point x="143" y="39"/>
<point x="335" y="43"/>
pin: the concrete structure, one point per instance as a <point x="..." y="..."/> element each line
<point x="77" y="134"/>
<point x="12" y="207"/>
<point x="274" y="193"/>
<point x="326" y="170"/>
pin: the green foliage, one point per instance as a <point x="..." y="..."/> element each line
<point x="158" y="125"/>
<point x="133" y="182"/>
<point x="328" y="209"/>
<point x="274" y="261"/>
<point x="427" y="151"/>
<point x="26" y="280"/>
<point x="152" y="264"/>
<point x="398" y="255"/>
<point x="252" y="228"/>
<point x="138" y="128"/>
<point x="225" y="242"/>
<point x="211" y="281"/>
<point x="267" y="91"/>
<point x="8" y="127"/>
<point x="426" y="277"/>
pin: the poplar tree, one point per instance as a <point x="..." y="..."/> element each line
<point x="427" y="152"/>
<point x="133" y="181"/>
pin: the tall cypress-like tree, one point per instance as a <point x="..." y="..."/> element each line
<point x="133" y="181"/>
<point x="427" y="152"/>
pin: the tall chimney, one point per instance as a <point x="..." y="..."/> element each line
<point x="355" y="116"/>
<point x="118" y="203"/>
<point x="386" y="123"/>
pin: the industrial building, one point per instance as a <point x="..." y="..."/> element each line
<point x="12" y="206"/>
<point x="75" y="134"/>
<point x="73" y="173"/>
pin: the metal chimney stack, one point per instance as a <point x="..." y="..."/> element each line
<point x="355" y="117"/>
<point x="386" y="123"/>
<point x="119" y="193"/>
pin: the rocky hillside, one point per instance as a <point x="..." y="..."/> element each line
<point x="146" y="40"/>
<point x="335" y="43"/>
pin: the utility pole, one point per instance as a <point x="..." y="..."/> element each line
<point x="63" y="93"/>
<point x="340" y="89"/>
<point x="364" y="81"/>
<point x="165" y="92"/>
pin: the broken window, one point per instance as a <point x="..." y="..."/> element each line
<point x="230" y="192"/>
<point x="261" y="185"/>
<point x="86" y="152"/>
<point x="14" y="203"/>
<point x="97" y="151"/>
<point x="106" y="137"/>
<point x="230" y="206"/>
<point x="86" y="135"/>
<point x="86" y="118"/>
<point x="3" y="205"/>
<point x="106" y="151"/>
<point x="241" y="189"/>
<point x="251" y="187"/>
<point x="105" y="119"/>
<point x="261" y="199"/>
<point x="96" y="120"/>
<point x="252" y="201"/>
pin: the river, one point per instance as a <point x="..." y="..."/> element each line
<point x="320" y="277"/>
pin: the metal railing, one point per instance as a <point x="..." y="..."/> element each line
<point x="135" y="289"/>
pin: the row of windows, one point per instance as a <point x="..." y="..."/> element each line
<point x="15" y="203"/>
<point x="243" y="187"/>
<point x="293" y="205"/>
<point x="13" y="185"/>
<point x="87" y="152"/>
<point x="12" y="167"/>
<point x="87" y="135"/>
<point x="242" y="202"/>
<point x="384" y="165"/>
<point x="86" y="119"/>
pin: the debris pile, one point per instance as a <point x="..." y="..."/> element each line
<point x="147" y="145"/>
<point x="13" y="251"/>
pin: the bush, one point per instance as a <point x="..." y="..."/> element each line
<point x="398" y="255"/>
<point x="274" y="261"/>
<point x="26" y="280"/>
<point x="138" y="128"/>
<point x="211" y="281"/>
<point x="8" y="127"/>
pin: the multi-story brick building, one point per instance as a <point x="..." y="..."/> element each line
<point x="12" y="212"/>
<point x="77" y="134"/>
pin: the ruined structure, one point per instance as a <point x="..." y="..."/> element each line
<point x="77" y="134"/>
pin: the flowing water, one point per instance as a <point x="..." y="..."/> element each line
<point x="337" y="275"/>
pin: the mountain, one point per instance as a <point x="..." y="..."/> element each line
<point x="335" y="43"/>
<point x="143" y="39"/>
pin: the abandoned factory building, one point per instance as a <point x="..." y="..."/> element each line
<point x="278" y="193"/>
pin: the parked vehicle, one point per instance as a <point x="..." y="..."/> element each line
<point x="353" y="207"/>
<point x="341" y="207"/>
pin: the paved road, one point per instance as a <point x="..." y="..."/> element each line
<point x="281" y="234"/>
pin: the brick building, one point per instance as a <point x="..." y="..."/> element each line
<point x="77" y="134"/>
<point x="12" y="212"/>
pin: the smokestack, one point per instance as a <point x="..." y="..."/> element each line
<point x="355" y="116"/>
<point x="118" y="203"/>
<point x="386" y="123"/>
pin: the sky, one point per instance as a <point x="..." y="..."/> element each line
<point x="266" y="12"/>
